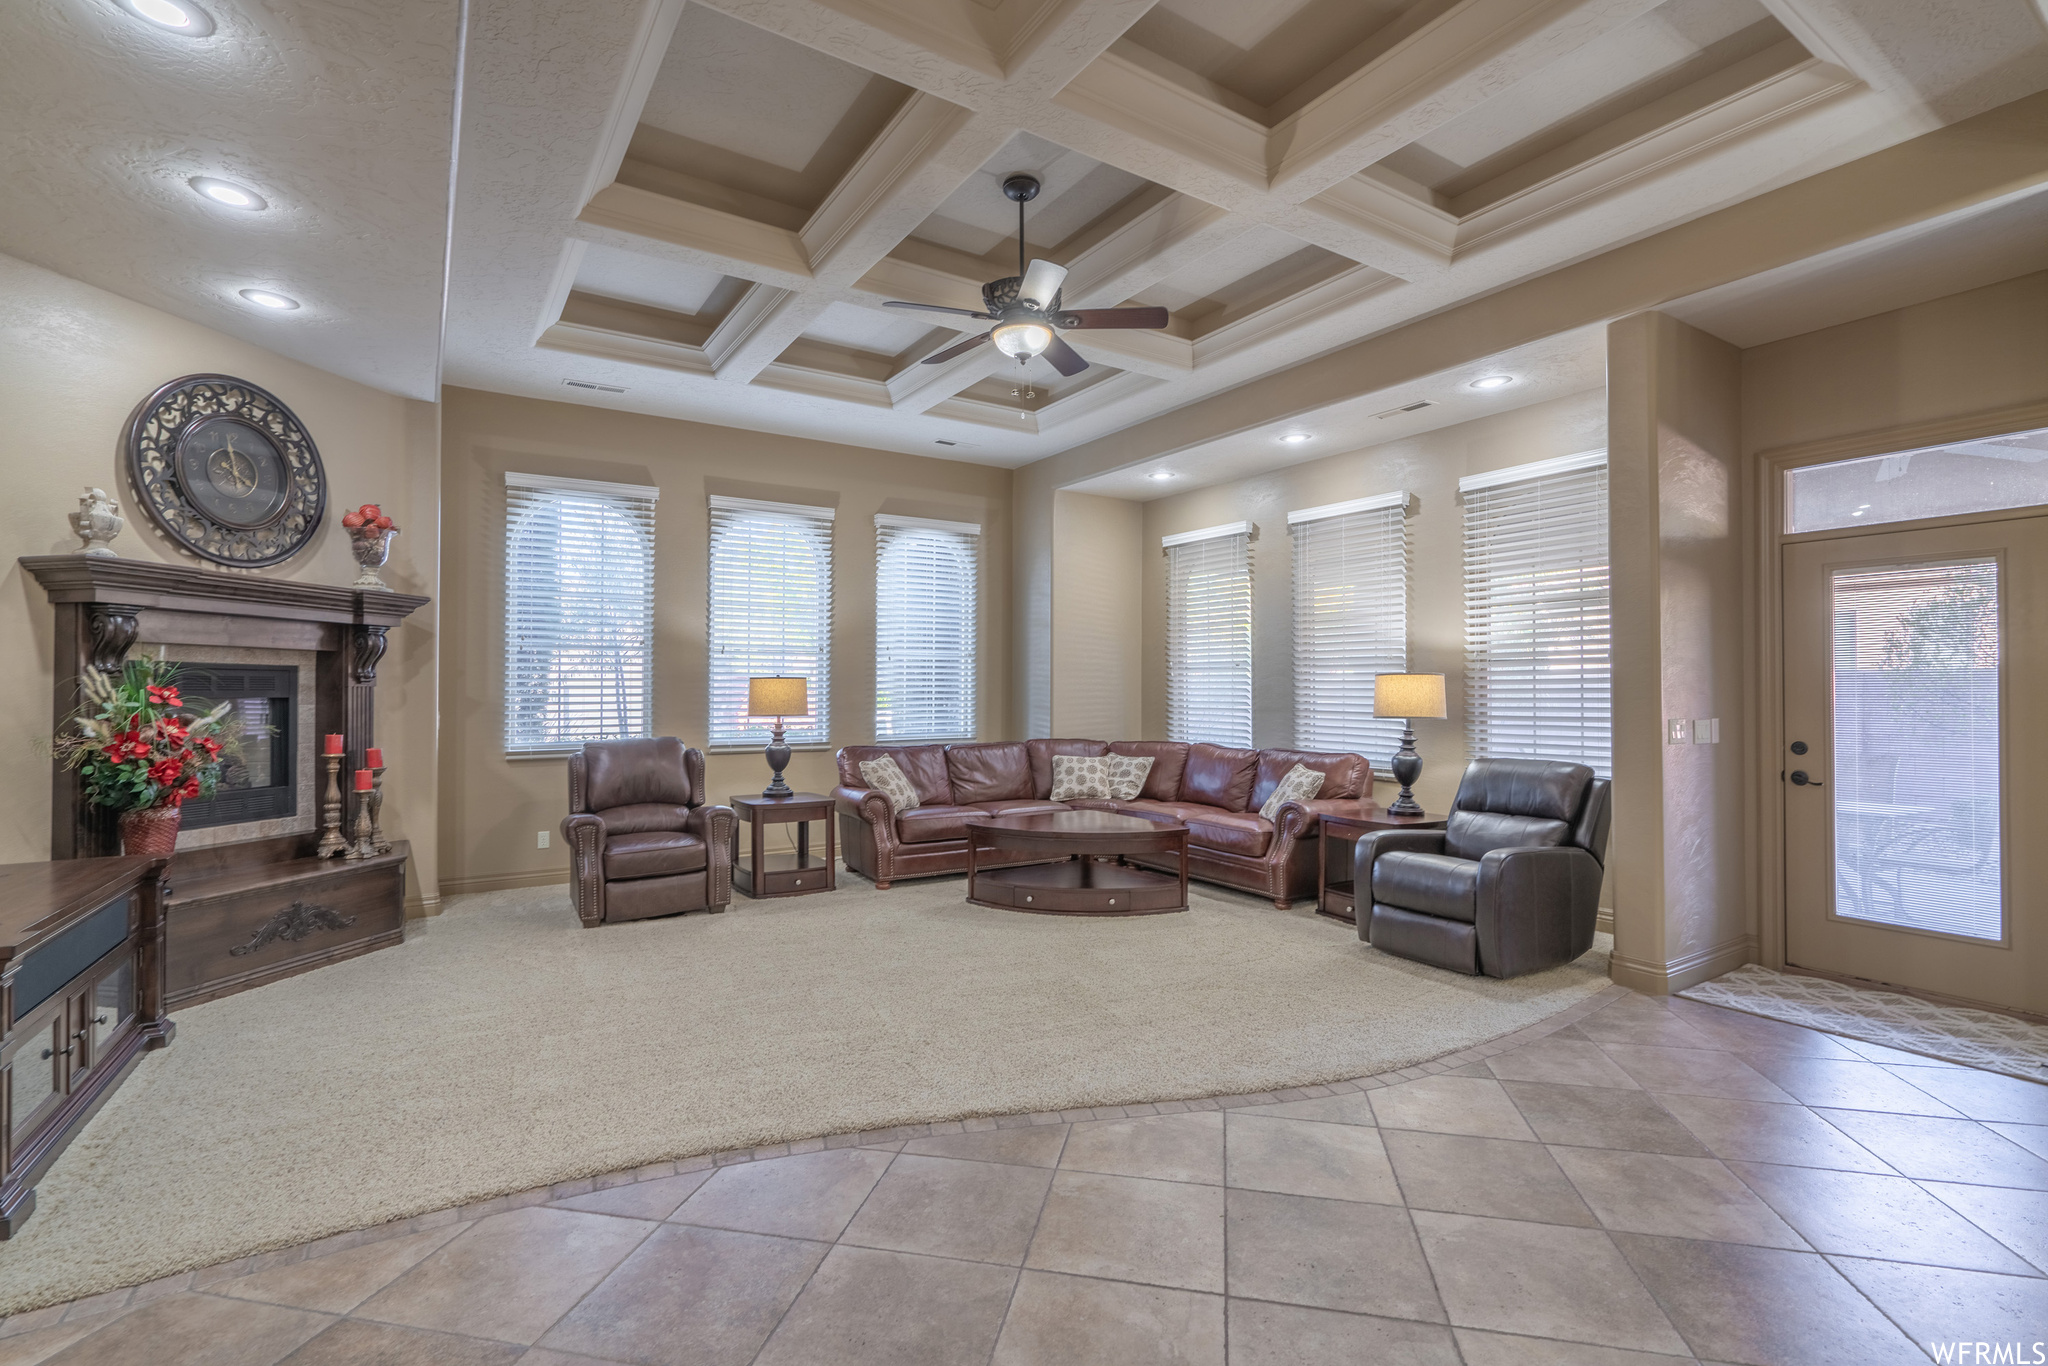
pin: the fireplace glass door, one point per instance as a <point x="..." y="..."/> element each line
<point x="258" y="778"/>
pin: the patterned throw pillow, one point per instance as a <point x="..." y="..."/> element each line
<point x="1300" y="785"/>
<point x="1078" y="777"/>
<point x="1127" y="775"/>
<point x="886" y="778"/>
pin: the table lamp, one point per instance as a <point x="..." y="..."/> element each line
<point x="1405" y="697"/>
<point x="778" y="697"/>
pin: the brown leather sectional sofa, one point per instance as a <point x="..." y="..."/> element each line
<point x="1216" y="792"/>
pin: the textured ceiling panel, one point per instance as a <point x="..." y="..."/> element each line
<point x="340" y="116"/>
<point x="1076" y="192"/>
<point x="670" y="285"/>
<point x="1262" y="50"/>
<point x="870" y="329"/>
<point x="752" y="112"/>
<point x="1672" y="46"/>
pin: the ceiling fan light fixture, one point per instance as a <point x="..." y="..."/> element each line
<point x="1022" y="339"/>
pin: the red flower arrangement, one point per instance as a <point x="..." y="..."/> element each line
<point x="135" y="746"/>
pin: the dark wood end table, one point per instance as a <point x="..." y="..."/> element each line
<point x="1091" y="877"/>
<point x="763" y="874"/>
<point x="1335" y="897"/>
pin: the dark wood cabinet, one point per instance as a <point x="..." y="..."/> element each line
<point x="82" y="963"/>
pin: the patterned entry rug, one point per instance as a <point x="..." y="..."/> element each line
<point x="1974" y="1038"/>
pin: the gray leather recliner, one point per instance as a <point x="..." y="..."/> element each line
<point x="1510" y="885"/>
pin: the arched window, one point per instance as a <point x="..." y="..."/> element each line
<point x="770" y="614"/>
<point x="579" y="611"/>
<point x="926" y="600"/>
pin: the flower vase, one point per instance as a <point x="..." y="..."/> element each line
<point x="372" y="548"/>
<point x="151" y="831"/>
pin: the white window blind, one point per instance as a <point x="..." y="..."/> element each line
<point x="770" y="614"/>
<point x="1350" y="622"/>
<point x="926" y="577"/>
<point x="579" y="611"/>
<point x="1538" y="650"/>
<point x="1209" y="635"/>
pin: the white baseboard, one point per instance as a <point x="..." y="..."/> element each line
<point x="1663" y="979"/>
<point x="420" y="907"/>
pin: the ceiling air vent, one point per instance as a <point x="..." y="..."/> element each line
<point x="943" y="442"/>
<point x="594" y="386"/>
<point x="1408" y="408"/>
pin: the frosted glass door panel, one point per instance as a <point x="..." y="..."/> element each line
<point x="1916" y="765"/>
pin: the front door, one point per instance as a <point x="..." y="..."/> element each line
<point x="1916" y="761"/>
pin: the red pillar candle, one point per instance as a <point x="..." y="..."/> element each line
<point x="333" y="745"/>
<point x="363" y="783"/>
<point x="374" y="758"/>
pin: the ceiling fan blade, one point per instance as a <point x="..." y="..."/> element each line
<point x="1113" y="317"/>
<point x="936" y="308"/>
<point x="1041" y="284"/>
<point x="1064" y="358"/>
<point x="957" y="349"/>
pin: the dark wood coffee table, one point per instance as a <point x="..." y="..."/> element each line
<point x="1092" y="877"/>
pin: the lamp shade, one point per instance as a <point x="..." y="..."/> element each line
<point x="778" y="697"/>
<point x="1408" y="695"/>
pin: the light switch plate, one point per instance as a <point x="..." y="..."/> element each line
<point x="1677" y="732"/>
<point x="540" y="838"/>
<point x="1707" y="731"/>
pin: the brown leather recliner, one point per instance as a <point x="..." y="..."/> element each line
<point x="641" y="841"/>
<point x="1510" y="885"/>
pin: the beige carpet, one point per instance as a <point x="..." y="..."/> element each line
<point x="503" y="1047"/>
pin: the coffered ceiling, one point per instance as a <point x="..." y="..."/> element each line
<point x="704" y="205"/>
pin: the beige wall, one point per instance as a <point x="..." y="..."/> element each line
<point x="74" y="363"/>
<point x="494" y="805"/>
<point x="1428" y="467"/>
<point x="1975" y="352"/>
<point x="1097" y="602"/>
<point x="1676" y="536"/>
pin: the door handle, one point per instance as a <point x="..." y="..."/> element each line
<point x="1799" y="779"/>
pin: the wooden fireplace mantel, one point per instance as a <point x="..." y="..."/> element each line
<point x="104" y="605"/>
<point x="280" y="918"/>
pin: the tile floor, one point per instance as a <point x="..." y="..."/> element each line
<point x="1637" y="1182"/>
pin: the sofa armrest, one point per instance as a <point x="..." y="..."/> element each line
<point x="584" y="833"/>
<point x="1309" y="820"/>
<point x="868" y="804"/>
<point x="1369" y="847"/>
<point x="1536" y="907"/>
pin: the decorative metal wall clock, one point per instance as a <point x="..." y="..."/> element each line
<point x="227" y="471"/>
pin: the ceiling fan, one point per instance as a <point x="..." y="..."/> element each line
<point x="1025" y="307"/>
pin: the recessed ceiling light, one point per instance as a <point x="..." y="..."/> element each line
<point x="179" y="16"/>
<point x="1294" y="438"/>
<point x="1161" y="474"/>
<point x="1493" y="382"/>
<point x="228" y="193"/>
<point x="268" y="298"/>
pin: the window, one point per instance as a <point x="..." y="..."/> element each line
<point x="1209" y="635"/>
<point x="926" y="576"/>
<point x="1538" y="657"/>
<point x="1350" y="621"/>
<point x="1934" y="481"/>
<point x="579" y="611"/>
<point x="770" y="614"/>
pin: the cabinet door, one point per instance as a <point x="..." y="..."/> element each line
<point x="35" y="1075"/>
<point x="107" y="1009"/>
